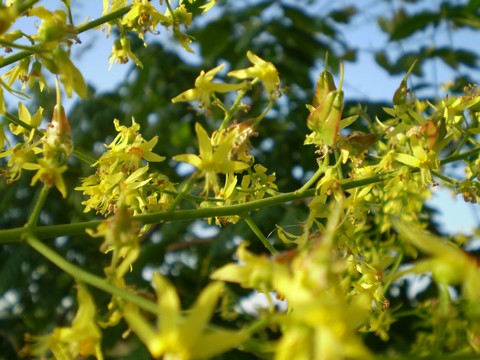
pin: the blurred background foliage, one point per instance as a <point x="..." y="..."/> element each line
<point x="295" y="36"/>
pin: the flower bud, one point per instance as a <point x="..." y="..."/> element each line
<point x="12" y="35"/>
<point x="58" y="139"/>
<point x="325" y="85"/>
<point x="55" y="30"/>
<point x="325" y="119"/>
<point x="400" y="95"/>
<point x="7" y="17"/>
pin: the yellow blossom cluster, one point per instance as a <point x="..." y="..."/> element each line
<point x="47" y="155"/>
<point x="122" y="176"/>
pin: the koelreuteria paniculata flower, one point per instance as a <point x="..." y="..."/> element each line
<point x="81" y="339"/>
<point x="47" y="154"/>
<point x="176" y="336"/>
<point x="122" y="176"/>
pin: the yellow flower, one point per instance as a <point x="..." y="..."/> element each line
<point x="143" y="17"/>
<point x="50" y="174"/>
<point x="22" y="157"/>
<point x="32" y="120"/>
<point x="82" y="339"/>
<point x="204" y="88"/>
<point x="130" y="145"/>
<point x="448" y="264"/>
<point x="212" y="161"/>
<point x="121" y="53"/>
<point x="261" y="70"/>
<point x="324" y="328"/>
<point x="176" y="337"/>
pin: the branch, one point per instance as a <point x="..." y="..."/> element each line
<point x="90" y="25"/>
<point x="259" y="234"/>
<point x="104" y="19"/>
<point x="44" y="232"/>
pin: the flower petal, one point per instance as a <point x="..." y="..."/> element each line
<point x="204" y="143"/>
<point x="188" y="95"/>
<point x="217" y="343"/>
<point x="200" y="314"/>
<point x="190" y="159"/>
<point x="169" y="305"/>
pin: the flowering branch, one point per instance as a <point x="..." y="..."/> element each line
<point x="44" y="232"/>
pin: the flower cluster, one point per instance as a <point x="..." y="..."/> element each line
<point x="55" y="146"/>
<point x="122" y="177"/>
<point x="144" y="18"/>
<point x="321" y="322"/>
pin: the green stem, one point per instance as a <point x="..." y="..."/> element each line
<point x="30" y="49"/>
<point x="260" y="117"/>
<point x="341" y="75"/>
<point x="311" y="181"/>
<point x="315" y="176"/>
<point x="25" y="5"/>
<point x="69" y="12"/>
<point x="233" y="109"/>
<point x="219" y="103"/>
<point x="462" y="143"/>
<point x="15" y="120"/>
<point x="172" y="13"/>
<point x="259" y="234"/>
<point x="104" y="19"/>
<point x="445" y="178"/>
<point x="83" y="157"/>
<point x="461" y="156"/>
<point x="42" y="196"/>
<point x="83" y="276"/>
<point x="338" y="165"/>
<point x="14" y="58"/>
<point x="194" y="198"/>
<point x="185" y="190"/>
<point x="58" y="92"/>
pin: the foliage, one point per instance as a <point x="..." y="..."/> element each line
<point x="329" y="251"/>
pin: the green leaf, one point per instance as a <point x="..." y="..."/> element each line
<point x="309" y="24"/>
<point x="345" y="15"/>
<point x="347" y="121"/>
<point x="413" y="24"/>
<point x="382" y="60"/>
<point x="454" y="58"/>
<point x="220" y="31"/>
